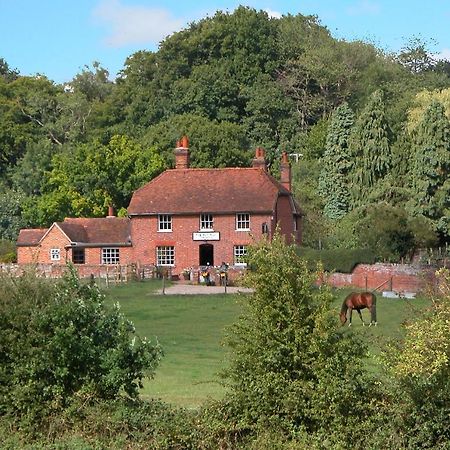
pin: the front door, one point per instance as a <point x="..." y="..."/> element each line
<point x="206" y="255"/>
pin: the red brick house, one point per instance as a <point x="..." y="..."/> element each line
<point x="183" y="218"/>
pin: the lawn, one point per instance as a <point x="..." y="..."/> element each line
<point x="190" y="329"/>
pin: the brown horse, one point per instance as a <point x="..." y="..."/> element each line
<point x="357" y="301"/>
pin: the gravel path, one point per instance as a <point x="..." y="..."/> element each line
<point x="195" y="289"/>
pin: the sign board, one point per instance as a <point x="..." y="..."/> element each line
<point x="206" y="236"/>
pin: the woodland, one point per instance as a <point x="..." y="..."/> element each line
<point x="368" y="130"/>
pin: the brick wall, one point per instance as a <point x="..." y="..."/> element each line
<point x="392" y="277"/>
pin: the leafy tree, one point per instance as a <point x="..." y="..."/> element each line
<point x="422" y="102"/>
<point x="430" y="177"/>
<point x="11" y="219"/>
<point x="93" y="82"/>
<point x="6" y="72"/>
<point x="370" y="148"/>
<point x="59" y="342"/>
<point x="334" y="177"/>
<point x="86" y="179"/>
<point x="386" y="230"/>
<point x="291" y="370"/>
<point x="416" y="56"/>
<point x="420" y="366"/>
<point x="212" y="144"/>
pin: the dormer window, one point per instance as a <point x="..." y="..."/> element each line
<point x="164" y="222"/>
<point x="242" y="222"/>
<point x="206" y="222"/>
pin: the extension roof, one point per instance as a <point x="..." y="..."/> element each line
<point x="30" y="237"/>
<point x="84" y="231"/>
<point x="220" y="191"/>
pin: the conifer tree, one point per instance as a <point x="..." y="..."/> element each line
<point x="333" y="183"/>
<point x="370" y="148"/>
<point x="431" y="168"/>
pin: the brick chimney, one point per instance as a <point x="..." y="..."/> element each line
<point x="259" y="161"/>
<point x="285" y="171"/>
<point x="111" y="212"/>
<point x="182" y="153"/>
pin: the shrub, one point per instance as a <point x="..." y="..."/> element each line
<point x="292" y="370"/>
<point x="58" y="342"/>
<point x="339" y="260"/>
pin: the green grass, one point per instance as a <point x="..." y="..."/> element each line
<point x="190" y="329"/>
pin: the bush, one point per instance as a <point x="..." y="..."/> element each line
<point x="339" y="260"/>
<point x="7" y="251"/>
<point x="292" y="371"/>
<point x="58" y="342"/>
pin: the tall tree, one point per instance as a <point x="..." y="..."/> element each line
<point x="370" y="148"/>
<point x="334" y="183"/>
<point x="431" y="168"/>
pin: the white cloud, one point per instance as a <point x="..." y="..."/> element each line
<point x="135" y="24"/>
<point x="364" y="7"/>
<point x="444" y="54"/>
<point x="273" y="14"/>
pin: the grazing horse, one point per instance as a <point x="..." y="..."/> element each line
<point x="357" y="301"/>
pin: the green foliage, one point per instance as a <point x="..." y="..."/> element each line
<point x="431" y="169"/>
<point x="7" y="251"/>
<point x="337" y="260"/>
<point x="291" y="370"/>
<point x="11" y="207"/>
<point x="370" y="148"/>
<point x="86" y="179"/>
<point x="59" y="343"/>
<point x="334" y="180"/>
<point x="212" y="144"/>
<point x="421" y="370"/>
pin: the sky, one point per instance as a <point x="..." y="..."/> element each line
<point x="58" y="38"/>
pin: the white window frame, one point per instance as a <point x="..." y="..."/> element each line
<point x="165" y="255"/>
<point x="206" y="222"/>
<point x="55" y="254"/>
<point x="110" y="255"/>
<point x="164" y="223"/>
<point x="239" y="252"/>
<point x="242" y="221"/>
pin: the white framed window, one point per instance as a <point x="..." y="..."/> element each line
<point x="164" y="222"/>
<point x="165" y="255"/>
<point x="206" y="222"/>
<point x="242" y="221"/>
<point x="240" y="252"/>
<point x="110" y="255"/>
<point x="55" y="254"/>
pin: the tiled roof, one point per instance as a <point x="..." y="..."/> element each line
<point x="229" y="190"/>
<point x="109" y="230"/>
<point x="30" y="237"/>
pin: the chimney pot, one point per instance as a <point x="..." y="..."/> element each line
<point x="111" y="211"/>
<point x="182" y="153"/>
<point x="259" y="161"/>
<point x="285" y="171"/>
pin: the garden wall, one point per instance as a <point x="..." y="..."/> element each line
<point x="385" y="277"/>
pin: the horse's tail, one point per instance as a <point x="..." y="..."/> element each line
<point x="373" y="312"/>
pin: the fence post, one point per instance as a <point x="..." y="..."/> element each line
<point x="366" y="281"/>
